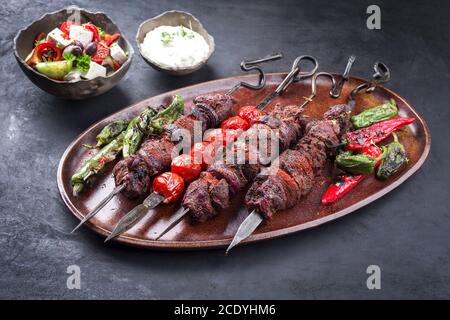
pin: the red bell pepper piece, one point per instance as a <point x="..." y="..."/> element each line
<point x="47" y="50"/>
<point x="375" y="133"/>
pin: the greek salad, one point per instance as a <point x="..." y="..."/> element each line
<point x="76" y="51"/>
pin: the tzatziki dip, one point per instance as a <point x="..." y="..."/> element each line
<point x="174" y="47"/>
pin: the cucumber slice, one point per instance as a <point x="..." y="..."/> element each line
<point x="54" y="69"/>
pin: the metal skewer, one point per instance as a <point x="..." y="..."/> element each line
<point x="254" y="219"/>
<point x="293" y="75"/>
<point x="246" y="65"/>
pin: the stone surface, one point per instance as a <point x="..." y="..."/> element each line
<point x="406" y="232"/>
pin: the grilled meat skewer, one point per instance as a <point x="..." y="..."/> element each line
<point x="292" y="177"/>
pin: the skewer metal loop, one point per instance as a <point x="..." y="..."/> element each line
<point x="382" y="75"/>
<point x="336" y="92"/>
<point x="249" y="65"/>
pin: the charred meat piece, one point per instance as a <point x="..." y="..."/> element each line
<point x="154" y="156"/>
<point x="299" y="168"/>
<point x="275" y="192"/>
<point x="204" y="195"/>
<point x="132" y="172"/>
<point x="220" y="105"/>
<point x="231" y="173"/>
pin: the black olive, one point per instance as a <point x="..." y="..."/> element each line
<point x="91" y="49"/>
<point x="79" y="44"/>
<point x="74" y="49"/>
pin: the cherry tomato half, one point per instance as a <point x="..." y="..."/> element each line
<point x="184" y="166"/>
<point x="93" y="29"/>
<point x="65" y="27"/>
<point x="236" y="123"/>
<point x="249" y="113"/>
<point x="221" y="137"/>
<point x="203" y="153"/>
<point x="170" y="185"/>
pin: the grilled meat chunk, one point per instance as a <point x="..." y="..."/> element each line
<point x="205" y="195"/>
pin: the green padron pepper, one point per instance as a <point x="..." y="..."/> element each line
<point x="379" y="113"/>
<point x="108" y="133"/>
<point x="356" y="163"/>
<point x="394" y="158"/>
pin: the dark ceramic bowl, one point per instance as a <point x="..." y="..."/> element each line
<point x="174" y="18"/>
<point x="82" y="89"/>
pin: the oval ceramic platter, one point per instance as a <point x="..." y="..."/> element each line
<point x="219" y="231"/>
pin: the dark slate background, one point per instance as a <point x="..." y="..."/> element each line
<point x="406" y="232"/>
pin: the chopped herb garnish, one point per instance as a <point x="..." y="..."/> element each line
<point x="69" y="56"/>
<point x="166" y="37"/>
<point x="83" y="62"/>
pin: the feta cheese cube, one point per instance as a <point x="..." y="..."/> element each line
<point x="57" y="36"/>
<point x="117" y="53"/>
<point x="80" y="34"/>
<point x="95" y="70"/>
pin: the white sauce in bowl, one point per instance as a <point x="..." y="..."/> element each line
<point x="174" y="47"/>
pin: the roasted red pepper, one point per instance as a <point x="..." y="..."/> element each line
<point x="345" y="182"/>
<point x="338" y="189"/>
<point x="375" y="133"/>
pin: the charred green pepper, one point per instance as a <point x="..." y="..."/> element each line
<point x="357" y="163"/>
<point x="379" y="113"/>
<point x="153" y="119"/>
<point x="147" y="123"/>
<point x="108" y="133"/>
<point x="394" y="159"/>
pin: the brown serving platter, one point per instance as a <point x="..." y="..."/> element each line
<point x="219" y="231"/>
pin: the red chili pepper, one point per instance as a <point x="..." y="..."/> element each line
<point x="170" y="185"/>
<point x="249" y="113"/>
<point x="375" y="133"/>
<point x="184" y="166"/>
<point x="338" y="189"/>
<point x="345" y="182"/>
<point x="236" y="123"/>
